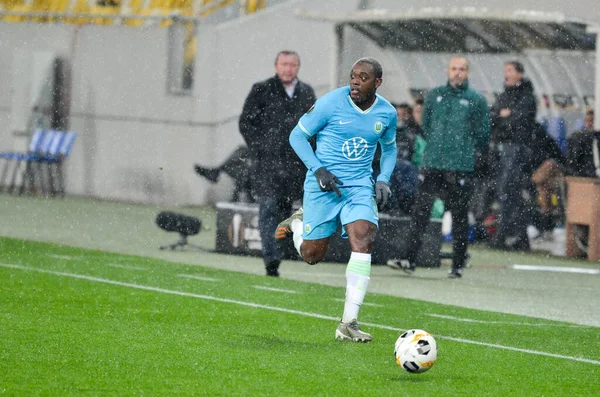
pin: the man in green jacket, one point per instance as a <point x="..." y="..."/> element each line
<point x="455" y="126"/>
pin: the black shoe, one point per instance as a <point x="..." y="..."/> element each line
<point x="273" y="268"/>
<point x="402" y="264"/>
<point x="455" y="273"/>
<point x="212" y="174"/>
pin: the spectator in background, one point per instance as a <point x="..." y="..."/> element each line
<point x="409" y="140"/>
<point x="548" y="162"/>
<point x="419" y="147"/>
<point x="512" y="122"/>
<point x="455" y="126"/>
<point x="272" y="109"/>
<point x="418" y="111"/>
<point x="407" y="131"/>
<point x="581" y="146"/>
<point x="237" y="166"/>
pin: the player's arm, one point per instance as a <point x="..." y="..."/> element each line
<point x="308" y="126"/>
<point x="299" y="141"/>
<point x="481" y="121"/>
<point x="249" y="123"/>
<point x="389" y="151"/>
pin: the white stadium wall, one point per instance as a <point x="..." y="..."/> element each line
<point x="138" y="143"/>
<point x="135" y="141"/>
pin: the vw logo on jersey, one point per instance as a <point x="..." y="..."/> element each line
<point x="355" y="148"/>
<point x="378" y="127"/>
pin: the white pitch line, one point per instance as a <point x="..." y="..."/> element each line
<point x="578" y="270"/>
<point x="289" y="311"/>
<point x="470" y="320"/>
<point x="192" y="276"/>
<point x="363" y="304"/>
<point x="287" y="291"/>
<point x="67" y="257"/>
<point x="125" y="266"/>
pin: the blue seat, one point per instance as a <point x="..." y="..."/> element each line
<point x="59" y="151"/>
<point x="557" y="129"/>
<point x="15" y="158"/>
<point x="43" y="161"/>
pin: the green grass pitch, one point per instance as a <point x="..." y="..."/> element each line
<point x="77" y="322"/>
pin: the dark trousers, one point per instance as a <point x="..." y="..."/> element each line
<point x="271" y="211"/>
<point x="513" y="185"/>
<point x="454" y="188"/>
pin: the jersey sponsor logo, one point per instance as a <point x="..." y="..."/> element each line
<point x="378" y="127"/>
<point x="439" y="98"/>
<point x="345" y="122"/>
<point x="322" y="185"/>
<point x="355" y="148"/>
<point x="464" y="102"/>
<point x="307" y="228"/>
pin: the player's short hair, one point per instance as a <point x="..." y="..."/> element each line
<point x="517" y="65"/>
<point x="405" y="106"/>
<point x="589" y="113"/>
<point x="375" y="65"/>
<point x="419" y="101"/>
<point x="287" y="52"/>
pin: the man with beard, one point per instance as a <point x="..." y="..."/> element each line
<point x="455" y="126"/>
<point x="513" y="121"/>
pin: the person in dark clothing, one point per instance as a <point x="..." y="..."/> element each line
<point x="455" y="126"/>
<point x="271" y="110"/>
<point x="237" y="166"/>
<point x="512" y="122"/>
<point x="581" y="146"/>
<point x="404" y="179"/>
<point x="549" y="164"/>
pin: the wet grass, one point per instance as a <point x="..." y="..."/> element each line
<point x="75" y="321"/>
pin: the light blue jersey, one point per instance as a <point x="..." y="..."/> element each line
<point x="347" y="138"/>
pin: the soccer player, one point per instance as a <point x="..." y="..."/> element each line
<point x="348" y="124"/>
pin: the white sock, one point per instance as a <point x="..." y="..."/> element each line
<point x="297" y="226"/>
<point x="358" y="274"/>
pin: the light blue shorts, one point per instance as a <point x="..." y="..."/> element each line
<point x="325" y="211"/>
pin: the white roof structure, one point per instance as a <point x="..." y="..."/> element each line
<point x="467" y="30"/>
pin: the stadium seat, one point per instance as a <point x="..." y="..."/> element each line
<point x="557" y="129"/>
<point x="43" y="162"/>
<point x="12" y="158"/>
<point x="15" y="159"/>
<point x="58" y="152"/>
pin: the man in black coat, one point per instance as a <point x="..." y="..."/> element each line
<point x="512" y="122"/>
<point x="581" y="146"/>
<point x="271" y="111"/>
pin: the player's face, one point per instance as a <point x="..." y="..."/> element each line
<point x="287" y="67"/>
<point x="458" y="71"/>
<point x="363" y="83"/>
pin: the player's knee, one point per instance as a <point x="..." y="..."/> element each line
<point x="362" y="242"/>
<point x="312" y="255"/>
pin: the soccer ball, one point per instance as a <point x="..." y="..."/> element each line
<point x="415" y="351"/>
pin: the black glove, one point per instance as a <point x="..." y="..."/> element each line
<point x="327" y="181"/>
<point x="382" y="193"/>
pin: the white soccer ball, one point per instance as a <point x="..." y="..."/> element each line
<point x="415" y="351"/>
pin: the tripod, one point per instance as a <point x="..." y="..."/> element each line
<point x="182" y="243"/>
